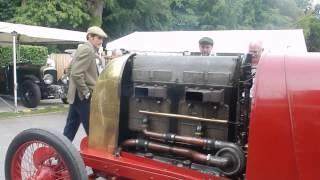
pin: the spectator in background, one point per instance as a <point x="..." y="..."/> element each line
<point x="256" y="49"/>
<point x="205" y="46"/>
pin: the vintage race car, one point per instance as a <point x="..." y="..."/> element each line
<point x="187" y="117"/>
<point x="35" y="82"/>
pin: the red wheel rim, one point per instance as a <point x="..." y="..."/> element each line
<point x="36" y="160"/>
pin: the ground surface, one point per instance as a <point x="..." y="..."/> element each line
<point x="4" y="107"/>
<point x="10" y="127"/>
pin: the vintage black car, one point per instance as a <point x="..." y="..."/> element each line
<point x="35" y="82"/>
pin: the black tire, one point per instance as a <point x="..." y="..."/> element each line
<point x="58" y="142"/>
<point x="30" y="94"/>
<point x="65" y="100"/>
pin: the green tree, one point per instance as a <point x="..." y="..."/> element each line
<point x="142" y="15"/>
<point x="63" y="13"/>
<point x="304" y="4"/>
<point x="121" y="17"/>
<point x="311" y="27"/>
<point x="96" y="8"/>
<point x="183" y="15"/>
<point x="8" y="9"/>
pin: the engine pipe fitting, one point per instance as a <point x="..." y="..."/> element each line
<point x="194" y="155"/>
<point x="227" y="159"/>
<point x="208" y="144"/>
<point x="232" y="149"/>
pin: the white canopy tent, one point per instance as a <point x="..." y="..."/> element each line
<point x="230" y="41"/>
<point x="25" y="34"/>
<point x="35" y="34"/>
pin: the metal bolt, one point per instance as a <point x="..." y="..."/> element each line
<point x="145" y="121"/>
<point x="148" y="155"/>
<point x="186" y="163"/>
<point x="180" y="165"/>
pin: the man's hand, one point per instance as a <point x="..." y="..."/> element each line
<point x="87" y="96"/>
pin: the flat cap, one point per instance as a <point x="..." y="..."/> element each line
<point x="97" y="31"/>
<point x="206" y="40"/>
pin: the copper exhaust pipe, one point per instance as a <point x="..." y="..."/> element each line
<point x="206" y="143"/>
<point x="220" y="162"/>
<point x="175" y="138"/>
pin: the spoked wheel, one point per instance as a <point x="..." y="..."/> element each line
<point x="30" y="94"/>
<point x="37" y="154"/>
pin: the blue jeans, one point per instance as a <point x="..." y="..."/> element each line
<point x="79" y="112"/>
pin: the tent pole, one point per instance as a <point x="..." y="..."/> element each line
<point x="14" y="43"/>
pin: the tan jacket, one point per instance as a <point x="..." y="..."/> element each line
<point x="83" y="72"/>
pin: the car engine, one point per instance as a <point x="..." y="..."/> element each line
<point x="189" y="111"/>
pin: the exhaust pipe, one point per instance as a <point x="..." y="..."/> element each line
<point x="226" y="159"/>
<point x="208" y="144"/>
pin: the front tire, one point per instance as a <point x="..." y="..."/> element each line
<point x="30" y="94"/>
<point x="40" y="154"/>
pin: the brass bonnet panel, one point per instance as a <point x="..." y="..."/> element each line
<point x="105" y="106"/>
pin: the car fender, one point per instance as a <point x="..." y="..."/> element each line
<point x="32" y="78"/>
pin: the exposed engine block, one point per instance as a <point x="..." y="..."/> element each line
<point x="194" y="86"/>
<point x="189" y="111"/>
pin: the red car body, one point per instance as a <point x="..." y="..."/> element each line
<point x="285" y="120"/>
<point x="284" y="129"/>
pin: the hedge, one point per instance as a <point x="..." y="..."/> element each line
<point x="32" y="54"/>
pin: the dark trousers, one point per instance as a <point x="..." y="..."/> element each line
<point x="79" y="112"/>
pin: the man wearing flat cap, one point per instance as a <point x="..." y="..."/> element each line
<point x="205" y="46"/>
<point x="82" y="79"/>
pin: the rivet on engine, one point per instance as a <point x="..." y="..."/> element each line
<point x="186" y="163"/>
<point x="180" y="165"/>
<point x="148" y="155"/>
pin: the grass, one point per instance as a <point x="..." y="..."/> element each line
<point x="34" y="111"/>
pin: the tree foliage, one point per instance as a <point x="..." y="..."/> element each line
<point x="60" y="13"/>
<point x="121" y="17"/>
<point x="8" y="9"/>
<point x="311" y="26"/>
<point x="142" y="15"/>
